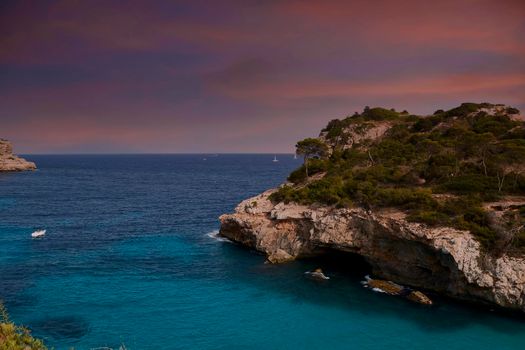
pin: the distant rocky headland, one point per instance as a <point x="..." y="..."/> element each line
<point x="11" y="162"/>
<point x="433" y="202"/>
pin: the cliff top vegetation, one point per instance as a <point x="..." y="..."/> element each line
<point x="441" y="169"/>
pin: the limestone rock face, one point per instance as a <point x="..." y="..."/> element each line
<point x="11" y="162"/>
<point x="444" y="260"/>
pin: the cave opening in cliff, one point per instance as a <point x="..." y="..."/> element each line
<point x="342" y="262"/>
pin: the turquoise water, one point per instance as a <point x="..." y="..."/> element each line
<point x="130" y="258"/>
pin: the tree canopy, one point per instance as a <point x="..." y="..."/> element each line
<point x="309" y="148"/>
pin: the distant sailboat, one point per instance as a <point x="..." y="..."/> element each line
<point x="295" y="156"/>
<point x="275" y="159"/>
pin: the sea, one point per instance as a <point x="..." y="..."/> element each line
<point x="131" y="259"/>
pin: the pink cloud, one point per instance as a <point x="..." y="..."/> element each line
<point x="452" y="84"/>
<point x="133" y="73"/>
<point x="69" y="31"/>
<point x="471" y="24"/>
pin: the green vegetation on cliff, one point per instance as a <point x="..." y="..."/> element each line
<point x="13" y="337"/>
<point x="440" y="169"/>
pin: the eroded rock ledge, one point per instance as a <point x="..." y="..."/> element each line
<point x="444" y="260"/>
<point x="11" y="162"/>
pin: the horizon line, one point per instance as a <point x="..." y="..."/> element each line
<point x="154" y="153"/>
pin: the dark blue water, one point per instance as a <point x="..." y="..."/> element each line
<point x="128" y="259"/>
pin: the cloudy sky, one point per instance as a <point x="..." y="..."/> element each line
<point x="242" y="76"/>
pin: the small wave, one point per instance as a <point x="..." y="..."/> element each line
<point x="215" y="235"/>
<point x="365" y="282"/>
<point x="378" y="290"/>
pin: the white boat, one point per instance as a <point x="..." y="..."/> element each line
<point x="295" y="156"/>
<point x="275" y="159"/>
<point x="38" y="234"/>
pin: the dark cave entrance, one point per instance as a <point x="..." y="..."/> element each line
<point x="341" y="262"/>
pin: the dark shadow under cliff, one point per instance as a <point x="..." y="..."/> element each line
<point x="341" y="263"/>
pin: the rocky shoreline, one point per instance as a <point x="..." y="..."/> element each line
<point x="440" y="259"/>
<point x="11" y="162"/>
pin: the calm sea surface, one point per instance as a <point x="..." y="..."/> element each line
<point x="129" y="257"/>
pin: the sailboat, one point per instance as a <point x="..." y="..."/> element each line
<point x="275" y="159"/>
<point x="295" y="156"/>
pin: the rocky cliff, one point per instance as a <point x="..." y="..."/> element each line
<point x="11" y="162"/>
<point x="444" y="260"/>
<point x="408" y="229"/>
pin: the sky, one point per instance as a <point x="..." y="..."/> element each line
<point x="242" y="76"/>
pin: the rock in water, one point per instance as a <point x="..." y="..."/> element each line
<point x="279" y="257"/>
<point x="418" y="297"/>
<point x="386" y="286"/>
<point x="11" y="162"/>
<point x="392" y="288"/>
<point x="317" y="274"/>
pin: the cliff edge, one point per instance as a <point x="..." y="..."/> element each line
<point x="11" y="162"/>
<point x="444" y="259"/>
<point x="407" y="218"/>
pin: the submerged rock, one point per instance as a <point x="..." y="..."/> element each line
<point x="11" y="162"/>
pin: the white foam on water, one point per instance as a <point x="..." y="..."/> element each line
<point x="365" y="282"/>
<point x="215" y="235"/>
<point x="378" y="290"/>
